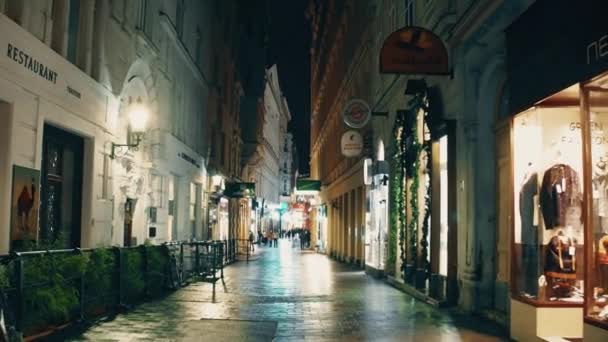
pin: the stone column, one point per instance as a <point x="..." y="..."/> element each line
<point x="466" y="140"/>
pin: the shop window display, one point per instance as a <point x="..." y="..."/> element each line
<point x="597" y="275"/>
<point x="548" y="206"/>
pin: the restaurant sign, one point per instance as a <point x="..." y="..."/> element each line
<point x="414" y="51"/>
<point x="357" y="113"/>
<point x="352" y="144"/>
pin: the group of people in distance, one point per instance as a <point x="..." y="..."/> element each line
<point x="271" y="238"/>
<point x="301" y="235"/>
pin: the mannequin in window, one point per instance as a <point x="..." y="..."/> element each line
<point x="600" y="195"/>
<point x="560" y="194"/>
<point x="528" y="211"/>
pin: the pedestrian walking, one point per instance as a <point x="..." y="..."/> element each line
<point x="251" y="241"/>
<point x="302" y="239"/>
<point x="275" y="239"/>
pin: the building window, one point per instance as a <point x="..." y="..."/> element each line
<point x="157" y="191"/>
<point x="73" y="23"/>
<point x="105" y="181"/>
<point x="409" y="12"/>
<point x="14" y="10"/>
<point x="141" y="19"/>
<point x="193" y="206"/>
<point x="199" y="44"/>
<point x="179" y="18"/>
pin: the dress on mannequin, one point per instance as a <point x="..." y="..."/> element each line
<point x="529" y="233"/>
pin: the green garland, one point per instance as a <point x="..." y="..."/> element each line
<point x="407" y="165"/>
<point x="402" y="216"/>
<point x="427" y="213"/>
<point x="393" y="233"/>
<point x="412" y="156"/>
<point x="398" y="218"/>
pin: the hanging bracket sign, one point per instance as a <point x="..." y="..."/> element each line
<point x="357" y="113"/>
<point x="352" y="143"/>
<point x="414" y="51"/>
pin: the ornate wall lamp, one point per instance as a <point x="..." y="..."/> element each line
<point x="138" y="117"/>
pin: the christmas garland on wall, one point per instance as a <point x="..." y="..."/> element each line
<point x="398" y="210"/>
<point x="411" y="158"/>
<point x="424" y="243"/>
<point x="393" y="232"/>
<point x="406" y="166"/>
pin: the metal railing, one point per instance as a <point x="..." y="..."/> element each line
<point x="48" y="289"/>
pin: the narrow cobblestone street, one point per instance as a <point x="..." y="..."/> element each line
<point x="290" y="295"/>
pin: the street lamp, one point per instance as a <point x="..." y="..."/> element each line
<point x="138" y="117"/>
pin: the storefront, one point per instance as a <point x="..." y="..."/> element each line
<point x="222" y="220"/>
<point x="321" y="225"/>
<point x="376" y="237"/>
<point x="422" y="170"/>
<point x="559" y="279"/>
<point x="54" y="124"/>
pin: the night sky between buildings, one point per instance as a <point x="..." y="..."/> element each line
<point x="289" y="49"/>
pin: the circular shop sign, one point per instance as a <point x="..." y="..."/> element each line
<point x="357" y="113"/>
<point x="352" y="143"/>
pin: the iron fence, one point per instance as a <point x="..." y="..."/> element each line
<point x="43" y="290"/>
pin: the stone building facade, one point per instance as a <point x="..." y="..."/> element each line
<point x="471" y="103"/>
<point x="75" y="72"/>
<point x="287" y="164"/>
<point x="339" y="34"/>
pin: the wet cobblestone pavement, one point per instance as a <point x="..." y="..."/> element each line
<point x="293" y="296"/>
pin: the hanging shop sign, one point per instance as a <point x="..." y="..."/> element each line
<point x="415" y="51"/>
<point x="352" y="143"/>
<point x="357" y="113"/>
<point x="239" y="190"/>
<point x="307" y="187"/>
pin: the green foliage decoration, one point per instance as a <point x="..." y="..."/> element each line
<point x="158" y="265"/>
<point x="394" y="217"/>
<point x="412" y="160"/>
<point x="100" y="278"/>
<point x="398" y="216"/>
<point x="51" y="291"/>
<point x="424" y="243"/>
<point x="133" y="275"/>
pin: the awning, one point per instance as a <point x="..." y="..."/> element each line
<point x="307" y="185"/>
<point x="239" y="190"/>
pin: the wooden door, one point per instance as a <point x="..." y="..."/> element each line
<point x="61" y="187"/>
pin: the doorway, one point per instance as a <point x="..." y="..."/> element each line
<point x="129" y="240"/>
<point x="6" y="124"/>
<point x="61" y="188"/>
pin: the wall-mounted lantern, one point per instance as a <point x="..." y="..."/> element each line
<point x="138" y="118"/>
